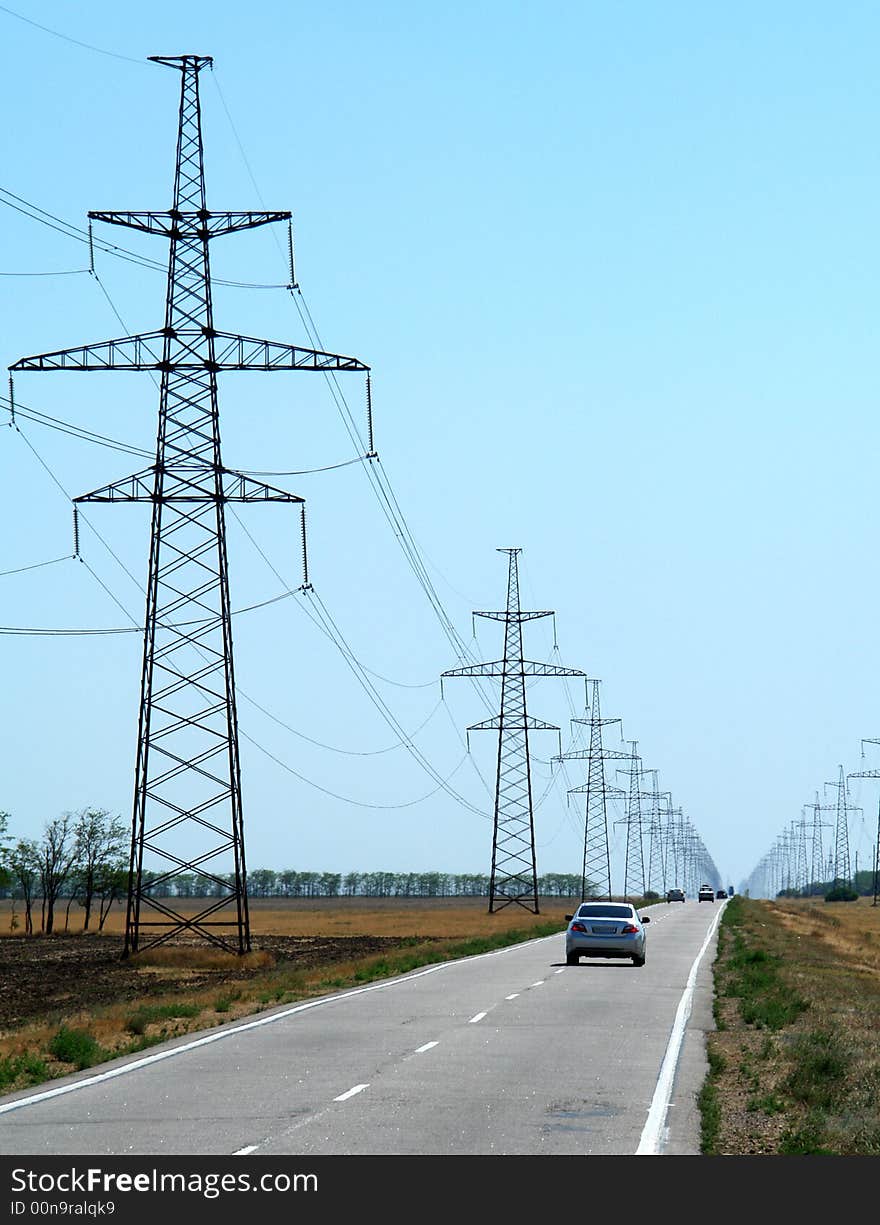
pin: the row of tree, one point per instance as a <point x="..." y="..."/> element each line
<point x="266" y="883"/>
<point x="81" y="859"/>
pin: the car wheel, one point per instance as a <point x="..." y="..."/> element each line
<point x="572" y="959"/>
<point x="638" y="962"/>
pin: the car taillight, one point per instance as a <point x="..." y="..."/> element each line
<point x="578" y="927"/>
<point x="628" y="929"/>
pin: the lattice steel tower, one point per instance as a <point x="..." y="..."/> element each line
<point x="876" y="856"/>
<point x="513" y="879"/>
<point x="634" y="862"/>
<point x="817" y="854"/>
<point x="187" y="812"/>
<point x="841" y="831"/>
<point x="655" y="872"/>
<point x="596" y="872"/>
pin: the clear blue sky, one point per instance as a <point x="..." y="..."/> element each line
<point x="614" y="268"/>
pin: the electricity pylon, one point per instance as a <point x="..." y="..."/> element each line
<point x="817" y="864"/>
<point x="187" y="811"/>
<point x="799" y="841"/>
<point x="674" y="826"/>
<point x="872" y="774"/>
<point x="596" y="871"/>
<point x="841" y="832"/>
<point x="655" y="873"/>
<point x="634" y="861"/>
<point x="513" y="879"/>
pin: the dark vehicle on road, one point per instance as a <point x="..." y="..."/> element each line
<point x="721" y="894"/>
<point x="675" y="895"/>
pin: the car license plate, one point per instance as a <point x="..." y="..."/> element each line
<point x="604" y="929"/>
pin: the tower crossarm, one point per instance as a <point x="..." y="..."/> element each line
<point x="508" y="724"/>
<point x="230" y="352"/>
<point x="194" y="483"/>
<point x="514" y="667"/>
<point x="584" y="754"/>
<point x="199" y="224"/>
<point x="589" y="787"/>
<point x="495" y="668"/>
<point x="865" y="774"/>
<point x="515" y="615"/>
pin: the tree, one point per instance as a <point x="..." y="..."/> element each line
<point x="23" y="860"/>
<point x="111" y="883"/>
<point x="56" y="855"/>
<point x="5" y="840"/>
<point x="100" y="840"/>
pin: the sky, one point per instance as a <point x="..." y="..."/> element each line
<point x="614" y="270"/>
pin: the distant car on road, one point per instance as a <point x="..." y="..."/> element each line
<point x="605" y="929"/>
<point x="721" y="894"/>
<point x="675" y="895"/>
<point x="706" y="894"/>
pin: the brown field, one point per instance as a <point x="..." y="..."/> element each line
<point x="445" y="917"/>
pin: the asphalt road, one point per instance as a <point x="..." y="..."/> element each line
<point x="510" y="1052"/>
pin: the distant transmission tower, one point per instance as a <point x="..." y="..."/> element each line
<point x="634" y="862"/>
<point x="596" y="871"/>
<point x="674" y="842"/>
<point x="876" y="865"/>
<point x="841" y="832"/>
<point x="187" y="795"/>
<point x="799" y="838"/>
<point x="655" y="873"/>
<point x="817" y="863"/>
<point x="513" y="878"/>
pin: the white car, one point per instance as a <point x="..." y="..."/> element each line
<point x="605" y="929"/>
<point x="706" y="894"/>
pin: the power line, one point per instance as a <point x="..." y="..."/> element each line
<point x="68" y="39"/>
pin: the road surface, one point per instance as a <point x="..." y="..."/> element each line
<point x="511" y="1052"/>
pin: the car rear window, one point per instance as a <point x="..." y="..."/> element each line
<point x="607" y="910"/>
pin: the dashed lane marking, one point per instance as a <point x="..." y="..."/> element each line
<point x="343" y="1097"/>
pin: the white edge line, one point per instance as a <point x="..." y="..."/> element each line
<point x="343" y="1097"/>
<point x="218" y="1035"/>
<point x="649" y="1143"/>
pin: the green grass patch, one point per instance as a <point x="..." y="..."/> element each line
<point x="752" y="975"/>
<point x="24" y="1070"/>
<point x="150" y="1014"/>
<point x="806" y="1137"/>
<point x="820" y="1066"/>
<point x="76" y="1046"/>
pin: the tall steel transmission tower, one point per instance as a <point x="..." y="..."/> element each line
<point x="841" y="831"/>
<point x="674" y="842"/>
<point x="655" y="872"/>
<point x="513" y="879"/>
<point x="817" y="854"/>
<point x="187" y="813"/>
<point x="872" y="774"/>
<point x="596" y="869"/>
<point x="634" y="862"/>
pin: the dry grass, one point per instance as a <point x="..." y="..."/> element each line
<point x="796" y="1058"/>
<point x="451" y="918"/>
<point x="199" y="958"/>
